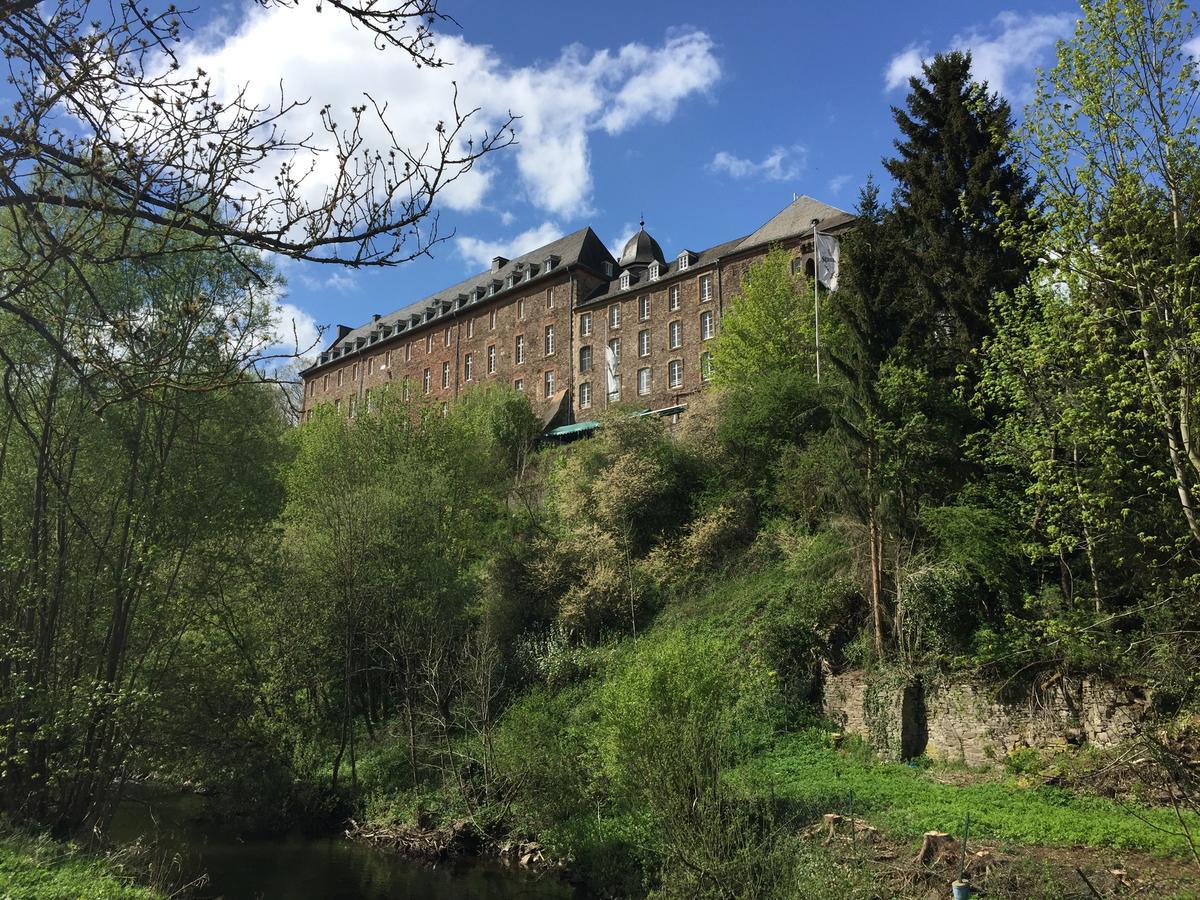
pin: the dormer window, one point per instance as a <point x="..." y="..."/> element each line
<point x="551" y="262"/>
<point x="624" y="281"/>
<point x="512" y="280"/>
<point x="653" y="271"/>
<point x="685" y="259"/>
<point x="495" y="286"/>
<point x="531" y="271"/>
<point x="480" y="292"/>
<point x="608" y="269"/>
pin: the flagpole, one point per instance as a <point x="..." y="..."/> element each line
<point x="816" y="297"/>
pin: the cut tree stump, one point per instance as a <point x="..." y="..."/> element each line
<point x="936" y="846"/>
<point x="833" y="820"/>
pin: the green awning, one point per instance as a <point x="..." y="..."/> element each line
<point x="575" y="428"/>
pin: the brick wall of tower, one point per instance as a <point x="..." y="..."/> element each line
<point x="446" y="343"/>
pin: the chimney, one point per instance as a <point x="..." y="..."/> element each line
<point x="375" y="318"/>
<point x="342" y="331"/>
<point x="498" y="263"/>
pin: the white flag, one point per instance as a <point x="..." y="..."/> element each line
<point x="827" y="260"/>
<point x="610" y="360"/>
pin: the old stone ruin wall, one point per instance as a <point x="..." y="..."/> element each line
<point x="976" y="723"/>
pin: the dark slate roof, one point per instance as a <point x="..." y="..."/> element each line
<point x="796" y="218"/>
<point x="641" y="250"/>
<point x="666" y="270"/>
<point x="581" y="247"/>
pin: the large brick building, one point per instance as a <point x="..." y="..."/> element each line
<point x="567" y="323"/>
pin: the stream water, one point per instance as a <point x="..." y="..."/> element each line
<point x="307" y="867"/>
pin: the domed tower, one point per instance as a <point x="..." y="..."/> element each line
<point x="640" y="251"/>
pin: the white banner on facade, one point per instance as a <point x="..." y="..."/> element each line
<point x="827" y="260"/>
<point x="610" y="363"/>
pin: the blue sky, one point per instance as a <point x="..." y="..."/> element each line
<point x="706" y="118"/>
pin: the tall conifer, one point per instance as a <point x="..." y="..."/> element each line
<point x="954" y="175"/>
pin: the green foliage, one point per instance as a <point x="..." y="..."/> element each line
<point x="41" y="869"/>
<point x="770" y="328"/>
<point x="802" y="769"/>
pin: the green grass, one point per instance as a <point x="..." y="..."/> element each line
<point x="813" y="778"/>
<point x="42" y="869"/>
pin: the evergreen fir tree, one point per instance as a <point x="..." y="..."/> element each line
<point x="955" y="178"/>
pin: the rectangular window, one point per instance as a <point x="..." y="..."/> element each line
<point x="614" y="349"/>
<point x="446" y="337"/>
<point x="549" y="379"/>
<point x="408" y="352"/>
<point x="644" y="342"/>
<point x="470" y="329"/>
<point x="521" y="309"/>
<point x="643" y="307"/>
<point x="585" y="395"/>
<point x="706" y="325"/>
<point x="643" y="383"/>
<point x="370" y="365"/>
<point x="340" y="377"/>
<point x="519" y="349"/>
<point x="705" y="288"/>
<point x="492" y="321"/>
<point x="549" y="340"/>
<point x="368" y="399"/>
<point x="705" y="366"/>
<point x="406" y="390"/>
<point x="585" y="324"/>
<point x="354" y="372"/>
<point x="337" y="404"/>
<point x="675" y="373"/>
<point x="429" y="342"/>
<point x="467" y="367"/>
<point x="549" y="302"/>
<point x="427" y="382"/>
<point x="387" y="360"/>
<point x="675" y="335"/>
<point x="585" y="358"/>
<point x="325" y="382"/>
<point x="614" y="316"/>
<point x="445" y="374"/>
<point x="492" y="359"/>
<point x="673" y="298"/>
<point x="519" y="384"/>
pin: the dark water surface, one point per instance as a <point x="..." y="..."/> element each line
<point x="304" y="867"/>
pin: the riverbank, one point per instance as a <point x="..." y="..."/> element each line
<point x="38" y="868"/>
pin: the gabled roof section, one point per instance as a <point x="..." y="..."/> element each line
<point x="796" y="218"/>
<point x="581" y="247"/>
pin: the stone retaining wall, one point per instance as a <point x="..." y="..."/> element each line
<point x="972" y="722"/>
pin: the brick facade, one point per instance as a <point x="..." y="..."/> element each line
<point x="495" y="326"/>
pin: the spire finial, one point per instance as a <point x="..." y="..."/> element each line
<point x="642" y="221"/>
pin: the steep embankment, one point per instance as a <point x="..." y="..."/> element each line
<point x="677" y="759"/>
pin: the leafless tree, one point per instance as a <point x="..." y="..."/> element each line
<point x="112" y="153"/>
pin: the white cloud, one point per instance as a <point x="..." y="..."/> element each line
<point x="321" y="56"/>
<point x="1005" y="53"/>
<point x="904" y="65"/>
<point x="480" y="253"/>
<point x="295" y="331"/>
<point x="1192" y="48"/>
<point x="781" y="164"/>
<point x="837" y="182"/>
